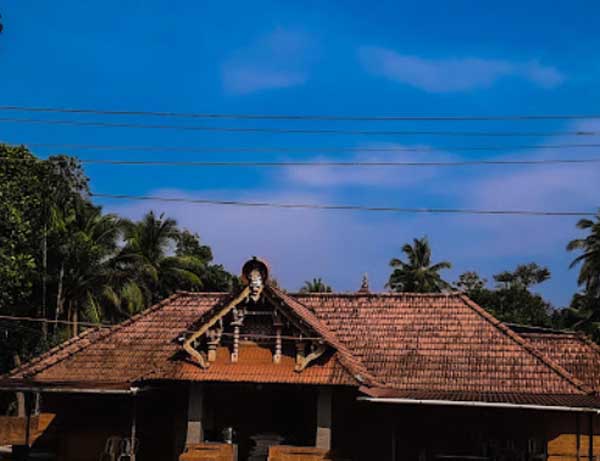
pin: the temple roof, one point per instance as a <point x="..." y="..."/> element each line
<point x="406" y="345"/>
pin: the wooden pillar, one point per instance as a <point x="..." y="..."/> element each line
<point x="578" y="437"/>
<point x="133" y="433"/>
<point x="323" y="439"/>
<point x="195" y="431"/>
<point x="591" y="442"/>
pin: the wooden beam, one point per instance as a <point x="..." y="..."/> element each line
<point x="189" y="344"/>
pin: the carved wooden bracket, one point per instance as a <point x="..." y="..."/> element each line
<point x="317" y="350"/>
<point x="188" y="346"/>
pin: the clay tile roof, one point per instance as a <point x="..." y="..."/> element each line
<point x="255" y="365"/>
<point x="440" y="343"/>
<point x="575" y="352"/>
<point x="122" y="353"/>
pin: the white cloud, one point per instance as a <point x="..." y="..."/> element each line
<point x="453" y="74"/>
<point x="340" y="246"/>
<point x="374" y="176"/>
<point x="279" y="59"/>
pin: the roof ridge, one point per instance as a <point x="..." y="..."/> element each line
<point x="345" y="356"/>
<point x="375" y="294"/>
<point x="76" y="339"/>
<point x="526" y="345"/>
<point x="586" y="339"/>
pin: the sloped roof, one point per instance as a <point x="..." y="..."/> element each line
<point x="438" y="342"/>
<point x="122" y="353"/>
<point x="575" y="352"/>
<point x="146" y="347"/>
<point x="407" y="344"/>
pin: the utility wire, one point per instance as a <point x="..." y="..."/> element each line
<point x="361" y="118"/>
<point x="259" y="164"/>
<point x="199" y="149"/>
<point x="62" y="322"/>
<point x="343" y="207"/>
<point x="273" y="130"/>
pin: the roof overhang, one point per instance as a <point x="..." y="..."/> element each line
<point x="21" y="385"/>
<point x="464" y="403"/>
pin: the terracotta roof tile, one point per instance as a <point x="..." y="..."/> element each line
<point x="404" y="343"/>
<point x="255" y="365"/>
<point x="574" y="352"/>
<point x="438" y="343"/>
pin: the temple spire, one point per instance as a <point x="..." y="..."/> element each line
<point x="364" y="286"/>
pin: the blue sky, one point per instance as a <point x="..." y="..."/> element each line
<point x="337" y="58"/>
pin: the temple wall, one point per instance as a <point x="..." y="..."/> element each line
<point x="360" y="431"/>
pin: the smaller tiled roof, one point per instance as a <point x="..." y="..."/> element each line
<point x="548" y="400"/>
<point x="255" y="365"/>
<point x="438" y="342"/>
<point x="573" y="351"/>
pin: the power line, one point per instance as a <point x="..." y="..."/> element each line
<point x="343" y="207"/>
<point x="272" y="130"/>
<point x="341" y="149"/>
<point x="360" y="118"/>
<point x="286" y="164"/>
<point x="63" y="322"/>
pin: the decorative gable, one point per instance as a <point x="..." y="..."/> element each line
<point x="257" y="316"/>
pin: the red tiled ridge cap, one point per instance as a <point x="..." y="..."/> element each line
<point x="527" y="346"/>
<point x="78" y="343"/>
<point x="382" y="294"/>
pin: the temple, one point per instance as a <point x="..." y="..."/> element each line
<point x="260" y="374"/>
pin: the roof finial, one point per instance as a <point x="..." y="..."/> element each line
<point x="364" y="286"/>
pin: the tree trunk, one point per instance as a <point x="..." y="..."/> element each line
<point x="20" y="395"/>
<point x="42" y="314"/>
<point x="59" y="298"/>
<point x="75" y="320"/>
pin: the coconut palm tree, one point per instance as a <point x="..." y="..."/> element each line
<point x="589" y="273"/>
<point x="315" y="285"/>
<point x="87" y="281"/>
<point x="146" y="251"/>
<point x="417" y="275"/>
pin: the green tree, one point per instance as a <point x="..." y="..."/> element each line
<point x="147" y="245"/>
<point x="214" y="276"/>
<point x="511" y="300"/>
<point x="315" y="285"/>
<point x="470" y="282"/>
<point x="20" y="202"/>
<point x="524" y="276"/>
<point x="90" y="280"/>
<point x="417" y="274"/>
<point x="589" y="259"/>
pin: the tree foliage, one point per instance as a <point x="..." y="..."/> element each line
<point x="62" y="258"/>
<point x="316" y="285"/>
<point x="511" y="301"/>
<point x="417" y="274"/>
<point x="584" y="312"/>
